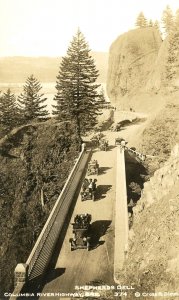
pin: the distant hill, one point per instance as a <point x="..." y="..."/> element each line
<point x="17" y="69"/>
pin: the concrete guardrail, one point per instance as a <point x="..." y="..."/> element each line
<point x="121" y="215"/>
<point x="41" y="253"/>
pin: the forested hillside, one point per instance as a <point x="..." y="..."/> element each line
<point x="35" y="159"/>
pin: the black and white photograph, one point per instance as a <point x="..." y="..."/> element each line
<point x="89" y="149"/>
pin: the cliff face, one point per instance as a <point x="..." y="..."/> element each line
<point x="154" y="81"/>
<point x="130" y="59"/>
<point x="152" y="264"/>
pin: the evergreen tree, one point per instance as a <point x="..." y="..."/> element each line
<point x="156" y="25"/>
<point x="150" y="23"/>
<point x="168" y="20"/>
<point x="102" y="95"/>
<point x="9" y="112"/>
<point x="101" y="98"/>
<point x="172" y="64"/>
<point x="76" y="86"/>
<point x="141" y="21"/>
<point x="31" y="101"/>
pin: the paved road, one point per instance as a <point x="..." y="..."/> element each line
<point x="81" y="266"/>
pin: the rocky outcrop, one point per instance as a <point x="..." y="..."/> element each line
<point x="157" y="74"/>
<point x="131" y="59"/>
<point x="152" y="263"/>
<point x="162" y="182"/>
<point x="160" y="135"/>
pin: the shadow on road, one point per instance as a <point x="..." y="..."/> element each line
<point x="36" y="286"/>
<point x="50" y="273"/>
<point x="102" y="191"/>
<point x="53" y="274"/>
<point x="103" y="170"/>
<point x="98" y="229"/>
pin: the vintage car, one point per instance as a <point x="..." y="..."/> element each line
<point x="103" y="145"/>
<point x="93" y="168"/>
<point x="116" y="127"/>
<point x="88" y="189"/>
<point x="81" y="232"/>
<point x="95" y="140"/>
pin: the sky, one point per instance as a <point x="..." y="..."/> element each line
<point x="46" y="27"/>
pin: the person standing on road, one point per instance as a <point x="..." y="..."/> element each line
<point x="85" y="184"/>
<point x="90" y="186"/>
<point x="123" y="144"/>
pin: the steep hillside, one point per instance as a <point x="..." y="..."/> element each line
<point x="35" y="160"/>
<point x="136" y="71"/>
<point x="160" y="134"/>
<point x="131" y="58"/>
<point x="152" y="263"/>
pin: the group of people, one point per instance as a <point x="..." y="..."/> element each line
<point x="82" y="221"/>
<point x="104" y="144"/>
<point x="89" y="184"/>
<point x="99" y="135"/>
<point x="141" y="156"/>
<point x="95" y="163"/>
<point x="93" y="167"/>
<point x="97" y="138"/>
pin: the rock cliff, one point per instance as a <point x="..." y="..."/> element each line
<point x="130" y="59"/>
<point x="152" y="264"/>
<point x="158" y="69"/>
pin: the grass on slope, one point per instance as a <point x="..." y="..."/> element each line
<point x="160" y="136"/>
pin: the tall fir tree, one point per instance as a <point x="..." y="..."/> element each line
<point x="76" y="86"/>
<point x="156" y="25"/>
<point x="102" y="98"/>
<point x="31" y="101"/>
<point x="141" y="21"/>
<point x="150" y="23"/>
<point x="172" y="64"/>
<point x="168" y="20"/>
<point x="9" y="112"/>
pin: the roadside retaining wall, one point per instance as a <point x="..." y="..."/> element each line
<point x="121" y="215"/>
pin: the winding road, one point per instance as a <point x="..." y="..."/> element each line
<point x="80" y="267"/>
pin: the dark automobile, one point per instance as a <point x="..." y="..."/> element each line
<point x="81" y="232"/>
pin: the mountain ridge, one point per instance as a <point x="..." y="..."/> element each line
<point x="16" y="69"/>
